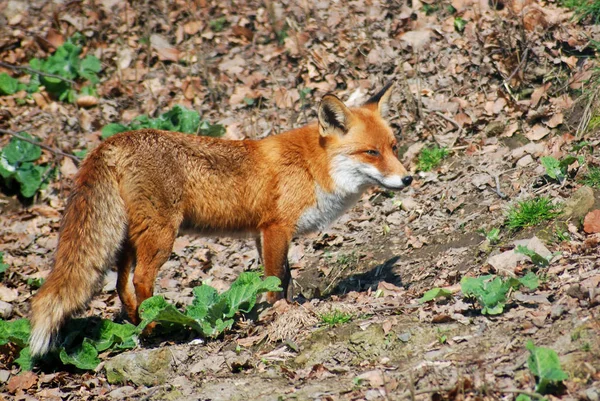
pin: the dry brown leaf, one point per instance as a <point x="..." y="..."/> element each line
<point x="417" y="39"/>
<point x="193" y="27"/>
<point x="243" y="32"/>
<point x="555" y="120"/>
<point x="87" y="101"/>
<point x="23" y="381"/>
<point x="537" y="132"/>
<point x="591" y="223"/>
<point x="163" y="48"/>
<point x="538" y="93"/>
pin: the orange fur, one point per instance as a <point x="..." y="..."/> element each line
<point x="134" y="192"/>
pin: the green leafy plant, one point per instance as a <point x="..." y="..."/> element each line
<point x="217" y="24"/>
<point x="210" y="314"/>
<point x="535" y="257"/>
<point x="435" y="293"/>
<point x="584" y="9"/>
<point x="459" y="24"/>
<point x="335" y="317"/>
<point x="66" y="63"/>
<point x="17" y="166"/>
<point x="592" y="177"/>
<point x="558" y="169"/>
<point x="431" y="157"/>
<point x="493" y="236"/>
<point x="531" y="212"/>
<point x="177" y="119"/>
<point x="3" y="266"/>
<point x="9" y="85"/>
<point x="545" y="366"/>
<point x="491" y="292"/>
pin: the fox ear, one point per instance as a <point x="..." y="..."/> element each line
<point x="381" y="100"/>
<point x="333" y="116"/>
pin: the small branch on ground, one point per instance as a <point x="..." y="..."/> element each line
<point x="31" y="70"/>
<point x="41" y="145"/>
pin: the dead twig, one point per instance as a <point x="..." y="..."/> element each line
<point x="41" y="145"/>
<point x="517" y="391"/>
<point x="498" y="190"/>
<point x="31" y="70"/>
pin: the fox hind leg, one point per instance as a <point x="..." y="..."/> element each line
<point x="152" y="249"/>
<point x="124" y="288"/>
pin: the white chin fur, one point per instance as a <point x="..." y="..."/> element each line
<point x="352" y="176"/>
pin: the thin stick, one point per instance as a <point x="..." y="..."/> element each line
<point x="31" y="70"/>
<point x="41" y="145"/>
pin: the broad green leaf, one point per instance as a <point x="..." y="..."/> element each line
<point x="112" y="129"/>
<point x="435" y="293"/>
<point x="459" y="24"/>
<point x="530" y="280"/>
<point x="242" y="293"/>
<point x="120" y="336"/>
<point x="157" y="309"/>
<point x="214" y="130"/>
<point x="552" y="166"/>
<point x="205" y="297"/>
<point x="16" y="331"/>
<point x="8" y="84"/>
<point x="489" y="291"/>
<point x="535" y="257"/>
<point x="24" y="360"/>
<point x="89" y="67"/>
<point x="545" y="365"/>
<point x="523" y="397"/>
<point x="83" y="357"/>
<point x="3" y="266"/>
<point x="30" y="178"/>
<point x="18" y="151"/>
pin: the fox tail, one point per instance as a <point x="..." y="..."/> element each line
<point x="91" y="234"/>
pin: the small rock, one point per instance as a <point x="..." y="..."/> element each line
<point x="121" y="392"/>
<point x="8" y="294"/>
<point x="481" y="180"/>
<point x="110" y="281"/>
<point x="6" y="310"/>
<point x="404" y="337"/>
<point x="591" y="223"/>
<point x="409" y="204"/>
<point x="4" y="375"/>
<point x="579" y="203"/>
<point x="535" y="149"/>
<point x="557" y="311"/>
<point x="525" y="161"/>
<point x="494" y="128"/>
<point x="213" y="363"/>
<point x="593" y="394"/>
<point x="535" y="245"/>
<point x="576" y="291"/>
<point x="142" y="368"/>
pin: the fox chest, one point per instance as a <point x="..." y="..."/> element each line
<point x="328" y="207"/>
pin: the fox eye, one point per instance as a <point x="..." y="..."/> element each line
<point x="372" y="152"/>
<point x="395" y="148"/>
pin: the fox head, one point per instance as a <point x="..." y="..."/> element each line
<point x="362" y="147"/>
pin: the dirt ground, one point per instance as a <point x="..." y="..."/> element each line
<point x="510" y="86"/>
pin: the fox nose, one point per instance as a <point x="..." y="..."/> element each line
<point x="407" y="180"/>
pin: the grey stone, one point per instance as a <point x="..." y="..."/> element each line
<point x="146" y="367"/>
<point x="6" y="310"/>
<point x="579" y="203"/>
<point x="121" y="392"/>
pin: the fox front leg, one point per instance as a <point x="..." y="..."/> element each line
<point x="273" y="246"/>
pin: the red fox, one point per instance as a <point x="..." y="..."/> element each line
<point x="137" y="189"/>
